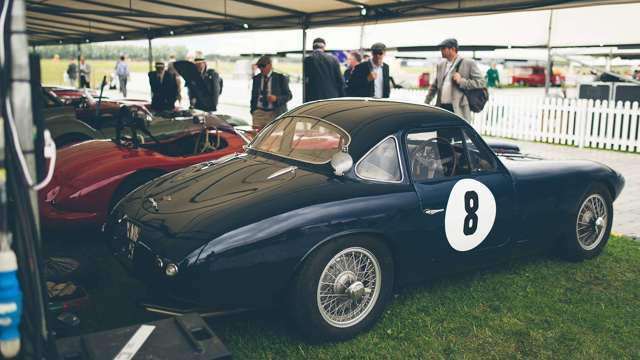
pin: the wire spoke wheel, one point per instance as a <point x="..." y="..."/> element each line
<point x="349" y="287"/>
<point x="592" y="222"/>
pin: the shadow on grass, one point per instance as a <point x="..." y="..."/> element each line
<point x="539" y="306"/>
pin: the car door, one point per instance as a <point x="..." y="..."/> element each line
<point x="466" y="195"/>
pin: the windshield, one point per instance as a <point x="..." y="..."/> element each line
<point x="307" y="139"/>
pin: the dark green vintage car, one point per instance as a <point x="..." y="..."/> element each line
<point x="91" y="119"/>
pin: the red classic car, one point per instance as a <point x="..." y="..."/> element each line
<point x="68" y="95"/>
<point x="87" y="108"/>
<point x="534" y="76"/>
<point x="92" y="176"/>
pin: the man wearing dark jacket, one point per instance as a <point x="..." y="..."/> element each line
<point x="164" y="88"/>
<point x="213" y="87"/>
<point x="269" y="95"/>
<point x="371" y="78"/>
<point x="322" y="77"/>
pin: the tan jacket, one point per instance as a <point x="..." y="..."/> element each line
<point x="472" y="78"/>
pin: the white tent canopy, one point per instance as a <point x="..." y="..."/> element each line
<point x="586" y="26"/>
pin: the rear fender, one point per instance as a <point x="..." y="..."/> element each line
<point x="65" y="126"/>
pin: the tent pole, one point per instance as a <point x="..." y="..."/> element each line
<point x="362" y="38"/>
<point x="150" y="55"/>
<point x="547" y="74"/>
<point x="304" y="54"/>
<point x="79" y="50"/>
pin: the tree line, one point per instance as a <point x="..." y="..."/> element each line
<point x="111" y="52"/>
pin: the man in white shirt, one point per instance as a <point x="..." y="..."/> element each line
<point x="371" y="78"/>
<point x="453" y="76"/>
<point x="269" y="94"/>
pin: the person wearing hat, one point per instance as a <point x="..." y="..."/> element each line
<point x="269" y="94"/>
<point x="371" y="78"/>
<point x="454" y="75"/>
<point x="213" y="86"/>
<point x="164" y="88"/>
<point x="322" y="76"/>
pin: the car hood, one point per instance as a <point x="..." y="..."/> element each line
<point x="93" y="161"/>
<point x="188" y="208"/>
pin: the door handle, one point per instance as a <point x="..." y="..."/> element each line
<point x="433" y="211"/>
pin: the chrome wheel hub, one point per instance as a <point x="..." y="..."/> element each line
<point x="592" y="222"/>
<point x="356" y="291"/>
<point x="349" y="287"/>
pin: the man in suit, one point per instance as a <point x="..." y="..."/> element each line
<point x="454" y="75"/>
<point x="164" y="88"/>
<point x="322" y="77"/>
<point x="371" y="78"/>
<point x="213" y="87"/>
<point x="352" y="61"/>
<point x="269" y="94"/>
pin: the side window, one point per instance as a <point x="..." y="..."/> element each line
<point x="381" y="163"/>
<point x="437" y="154"/>
<point x="478" y="157"/>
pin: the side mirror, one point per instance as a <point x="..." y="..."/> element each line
<point x="341" y="163"/>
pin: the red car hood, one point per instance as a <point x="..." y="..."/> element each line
<point x="91" y="161"/>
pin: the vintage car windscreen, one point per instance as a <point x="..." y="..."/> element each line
<point x="305" y="139"/>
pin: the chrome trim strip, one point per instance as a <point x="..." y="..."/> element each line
<point x="395" y="139"/>
<point x="282" y="172"/>
<point x="433" y="211"/>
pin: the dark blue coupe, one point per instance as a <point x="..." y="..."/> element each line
<point x="337" y="202"/>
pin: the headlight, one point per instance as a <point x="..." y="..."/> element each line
<point x="171" y="270"/>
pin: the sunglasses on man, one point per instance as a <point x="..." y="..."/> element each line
<point x="378" y="52"/>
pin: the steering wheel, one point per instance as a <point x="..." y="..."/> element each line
<point x="204" y="143"/>
<point x="428" y="155"/>
<point x="128" y="119"/>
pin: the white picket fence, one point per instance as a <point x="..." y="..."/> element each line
<point x="577" y="122"/>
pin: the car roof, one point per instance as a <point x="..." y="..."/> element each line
<point x="370" y="120"/>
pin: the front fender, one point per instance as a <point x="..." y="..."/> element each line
<point x="260" y="265"/>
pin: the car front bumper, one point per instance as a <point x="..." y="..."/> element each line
<point x="56" y="219"/>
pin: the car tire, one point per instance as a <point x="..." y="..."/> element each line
<point x="590" y="227"/>
<point x="363" y="294"/>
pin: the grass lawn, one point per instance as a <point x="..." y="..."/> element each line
<point x="539" y="307"/>
<point x="52" y="71"/>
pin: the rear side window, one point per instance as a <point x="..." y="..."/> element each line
<point x="381" y="163"/>
<point x="479" y="158"/>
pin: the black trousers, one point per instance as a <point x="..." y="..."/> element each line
<point x="84" y="82"/>
<point x="447" y="107"/>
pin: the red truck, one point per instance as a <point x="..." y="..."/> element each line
<point x="534" y="76"/>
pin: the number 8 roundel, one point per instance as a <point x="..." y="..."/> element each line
<point x="470" y="214"/>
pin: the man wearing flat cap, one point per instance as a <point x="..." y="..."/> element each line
<point x="269" y="95"/>
<point x="453" y="76"/>
<point x="164" y="88"/>
<point x="213" y="87"/>
<point x="322" y="76"/>
<point x="371" y="78"/>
